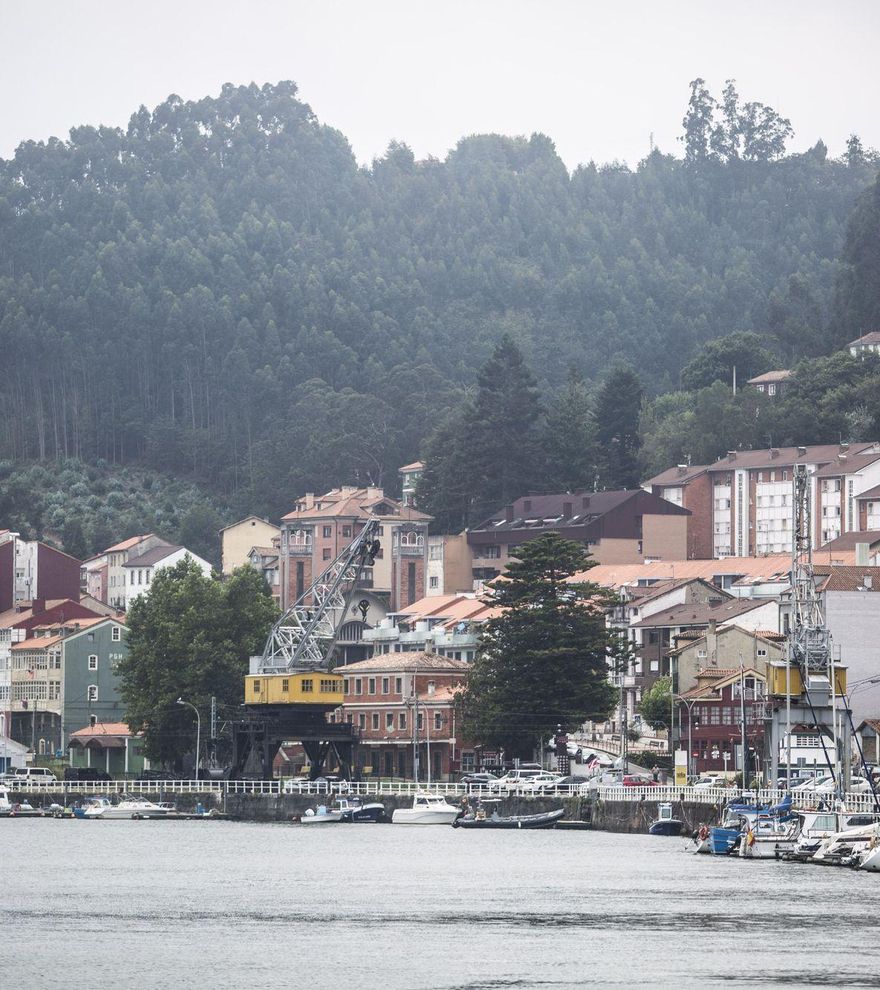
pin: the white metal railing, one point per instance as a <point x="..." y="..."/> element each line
<point x="801" y="800"/>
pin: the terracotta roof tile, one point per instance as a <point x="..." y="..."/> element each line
<point x="405" y="662"/>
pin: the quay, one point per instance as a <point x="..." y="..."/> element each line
<point x="610" y="809"/>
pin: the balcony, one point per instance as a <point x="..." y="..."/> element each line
<point x="381" y="634"/>
<point x="405" y="550"/>
<point x="456" y="640"/>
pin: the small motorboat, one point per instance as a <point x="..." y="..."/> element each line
<point x="870" y="858"/>
<point x="479" y="819"/>
<point x="12" y="807"/>
<point x="322" y="815"/>
<point x="767" y="837"/>
<point x="702" y="840"/>
<point x="427" y="809"/>
<point x="665" y="824"/>
<point x="132" y="808"/>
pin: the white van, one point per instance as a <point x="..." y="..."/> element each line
<point x="34" y="775"/>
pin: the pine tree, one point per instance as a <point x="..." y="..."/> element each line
<point x="618" y="405"/>
<point x="570" y="438"/>
<point x="543" y="661"/>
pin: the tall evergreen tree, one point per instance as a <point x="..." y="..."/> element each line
<point x="544" y="661"/>
<point x="618" y="405"/>
<point x="570" y="438"/>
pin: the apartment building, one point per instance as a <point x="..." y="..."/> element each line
<point x="31" y="569"/>
<point x="139" y="570"/>
<point x="104" y="574"/>
<point x="450" y="565"/>
<point x="320" y="527"/>
<point x="749" y="496"/>
<point x="409" y="476"/>
<point x="238" y="540"/>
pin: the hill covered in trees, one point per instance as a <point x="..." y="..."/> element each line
<point x="221" y="292"/>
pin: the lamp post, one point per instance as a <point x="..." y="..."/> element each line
<point x="188" y="704"/>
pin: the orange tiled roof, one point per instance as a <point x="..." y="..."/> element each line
<point x="410" y="662"/>
<point x="355" y="503"/>
<point x="415" y="466"/>
<point x="103" y="729"/>
<point x="37" y="643"/>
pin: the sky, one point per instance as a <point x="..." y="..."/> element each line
<point x="599" y="78"/>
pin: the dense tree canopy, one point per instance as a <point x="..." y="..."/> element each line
<point x="544" y="661"/>
<point x="220" y="291"/>
<point x="190" y="637"/>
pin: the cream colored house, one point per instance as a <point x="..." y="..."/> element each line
<point x="238" y="539"/>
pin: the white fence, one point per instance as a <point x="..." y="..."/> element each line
<point x="801" y="800"/>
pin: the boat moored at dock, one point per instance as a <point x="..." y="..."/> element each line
<point x="427" y="809"/>
<point x="479" y="819"/>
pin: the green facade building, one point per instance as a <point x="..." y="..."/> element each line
<point x="90" y="690"/>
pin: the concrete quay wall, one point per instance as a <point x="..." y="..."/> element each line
<point x="636" y="816"/>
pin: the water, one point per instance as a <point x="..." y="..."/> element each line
<point x="228" y="905"/>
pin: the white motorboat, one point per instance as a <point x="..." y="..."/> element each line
<point x="322" y="815"/>
<point x="847" y="846"/>
<point x="13" y="808"/>
<point x="870" y="859"/>
<point x="127" y="808"/>
<point x="427" y="809"/>
<point x="767" y="837"/>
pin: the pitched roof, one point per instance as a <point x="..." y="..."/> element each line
<point x="692" y="637"/>
<point x="713" y="571"/>
<point x="37" y="643"/>
<point x="77" y="624"/>
<point x="770" y="377"/>
<point x="777" y="457"/>
<point x="132" y="541"/>
<point x="24" y="611"/>
<point x="356" y="503"/>
<point x="871" y="723"/>
<point x="444" y="693"/>
<point x="405" y="662"/>
<point x="415" y="466"/>
<point x="871" y="493"/>
<point x="850" y="578"/>
<point x="700" y="613"/>
<point x="872" y="337"/>
<point x="726" y="675"/>
<point x="151" y="557"/>
<point x="849" y="463"/>
<point x="848" y="541"/>
<point x="681" y="474"/>
<point x="249" y="519"/>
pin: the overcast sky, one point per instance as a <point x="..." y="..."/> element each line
<point x="598" y="78"/>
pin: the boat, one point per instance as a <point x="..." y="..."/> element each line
<point x="427" y="809"/>
<point x="665" y="823"/>
<point x="848" y="847"/>
<point x="354" y="810"/>
<point x="870" y="858"/>
<point x="767" y="836"/>
<point x="135" y="808"/>
<point x="479" y="819"/>
<point x="702" y="840"/>
<point x="13" y="808"/>
<point x="322" y="815"/>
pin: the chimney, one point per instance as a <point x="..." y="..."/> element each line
<point x="682" y="469"/>
<point x="731" y="455"/>
<point x="566" y="510"/>
<point x="508" y="513"/>
<point x="802" y="451"/>
<point x="774" y="452"/>
<point x="844" y="447"/>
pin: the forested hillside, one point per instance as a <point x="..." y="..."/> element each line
<point x="221" y="292"/>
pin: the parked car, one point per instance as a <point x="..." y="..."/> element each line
<point x="79" y="774"/>
<point x="706" y="782"/>
<point x="562" y="785"/>
<point x="34" y="775"/>
<point x="541" y="781"/>
<point x="478" y="779"/>
<point x="513" y="779"/>
<point x="638" y="780"/>
<point x="156" y="774"/>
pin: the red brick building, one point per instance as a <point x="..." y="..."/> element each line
<point x="403" y="703"/>
<point x="711" y="720"/>
<point x="689" y="486"/>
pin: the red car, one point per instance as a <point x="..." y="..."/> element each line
<point x="636" y="780"/>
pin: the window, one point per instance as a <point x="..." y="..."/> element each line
<point x="386" y="685"/>
<point x="91" y="637"/>
<point x="762" y="652"/>
<point x="308" y="685"/>
<point x="398" y="685"/>
<point x="257" y="687"/>
<point x="375" y="720"/>
<point x="655" y="666"/>
<point x="285" y="685"/>
<point x="328" y="532"/>
<point x="328" y="685"/>
<point x="435" y="551"/>
<point x="358" y="686"/>
<point x="492" y="551"/>
<point x="115" y="634"/>
<point x="325" y="553"/>
<point x="438" y="721"/>
<point x="389" y="720"/>
<point x="401" y="720"/>
<point x="371" y="685"/>
<point x="362" y="721"/>
<point x="420" y="722"/>
<point x="346" y="530"/>
<point x="433" y="582"/>
<point x="432" y="687"/>
<point x="132" y="577"/>
<point x="93" y="661"/>
<point x="93" y="692"/>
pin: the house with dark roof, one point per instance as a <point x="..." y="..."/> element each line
<point x="771" y="383"/>
<point x="616" y="527"/>
<point x="139" y="571"/>
<point x="868" y="343"/>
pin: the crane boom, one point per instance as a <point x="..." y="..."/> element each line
<point x="304" y="637"/>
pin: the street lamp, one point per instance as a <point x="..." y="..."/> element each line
<point x="188" y="704"/>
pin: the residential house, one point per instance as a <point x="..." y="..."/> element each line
<point x="409" y="476"/>
<point x="138" y="571"/>
<point x="31" y="569"/>
<point x="402" y="704"/>
<point x="771" y="383"/>
<point x="724" y="647"/>
<point x="711" y="720"/>
<point x="869" y="511"/>
<point x="448" y="626"/>
<point x="16" y="624"/>
<point x="320" y="527"/>
<point x="616" y="527"/>
<point x="264" y="560"/>
<point x="105" y="578"/>
<point x="108" y="746"/>
<point x="868" y="343"/>
<point x="450" y="565"/>
<point x="868" y="734"/>
<point x="90" y="688"/>
<point x="239" y="538"/>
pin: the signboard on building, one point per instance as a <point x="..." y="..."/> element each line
<point x="681" y="768"/>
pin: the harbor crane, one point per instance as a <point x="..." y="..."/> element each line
<point x="291" y="687"/>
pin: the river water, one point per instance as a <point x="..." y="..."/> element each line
<point x="223" y="904"/>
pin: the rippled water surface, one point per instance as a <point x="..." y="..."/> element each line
<point x="222" y="904"/>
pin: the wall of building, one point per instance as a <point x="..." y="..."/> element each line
<point x="853" y="619"/>
<point x="237" y="540"/>
<point x="7" y="575"/>
<point x="77" y="709"/>
<point x="665" y="537"/>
